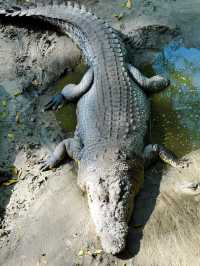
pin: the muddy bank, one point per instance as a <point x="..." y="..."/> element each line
<point x="31" y="59"/>
<point x="44" y="217"/>
<point x="57" y="229"/>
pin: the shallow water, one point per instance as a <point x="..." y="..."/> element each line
<point x="66" y="116"/>
<point x="175" y="111"/>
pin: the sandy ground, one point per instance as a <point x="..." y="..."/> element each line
<point x="44" y="217"/>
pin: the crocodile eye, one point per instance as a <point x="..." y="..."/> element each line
<point x="194" y="186"/>
<point x="92" y="169"/>
<point x="190" y="188"/>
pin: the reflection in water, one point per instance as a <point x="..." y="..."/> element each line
<point x="175" y="116"/>
<point x="175" y="111"/>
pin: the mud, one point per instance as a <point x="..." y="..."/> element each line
<point x="44" y="217"/>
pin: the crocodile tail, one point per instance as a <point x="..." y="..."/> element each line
<point x="71" y="19"/>
<point x="54" y="11"/>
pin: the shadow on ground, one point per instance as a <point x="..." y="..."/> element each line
<point x="145" y="203"/>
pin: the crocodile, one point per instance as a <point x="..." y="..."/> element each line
<point x="113" y="113"/>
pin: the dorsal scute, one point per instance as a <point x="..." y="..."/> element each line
<point x="30" y="12"/>
<point x="9" y="10"/>
<point x="76" y="6"/>
<point x="83" y="8"/>
<point x="55" y="3"/>
<point x="2" y="12"/>
<point x="16" y="13"/>
<point x="23" y="13"/>
<point x="39" y="5"/>
<point x="115" y="41"/>
<point x="16" y="8"/>
<point x="89" y="10"/>
<point x="62" y="6"/>
<point x="69" y="4"/>
<point x="106" y="24"/>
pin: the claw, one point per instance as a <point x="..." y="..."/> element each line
<point x="49" y="105"/>
<point x="55" y="103"/>
<point x="55" y="107"/>
<point x="183" y="163"/>
<point x="46" y="165"/>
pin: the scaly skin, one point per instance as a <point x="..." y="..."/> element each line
<point x="112" y="113"/>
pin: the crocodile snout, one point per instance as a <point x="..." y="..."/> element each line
<point x="111" y="185"/>
<point x="110" y="211"/>
<point x="114" y="240"/>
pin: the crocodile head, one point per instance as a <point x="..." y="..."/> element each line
<point x="111" y="182"/>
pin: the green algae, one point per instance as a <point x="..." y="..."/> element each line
<point x="175" y="114"/>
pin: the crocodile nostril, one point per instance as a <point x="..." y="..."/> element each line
<point x="107" y="199"/>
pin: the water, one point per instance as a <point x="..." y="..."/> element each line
<point x="175" y="112"/>
<point x="66" y="116"/>
<point x="175" y="119"/>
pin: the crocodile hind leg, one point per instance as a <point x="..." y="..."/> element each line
<point x="71" y="92"/>
<point x="154" y="151"/>
<point x="69" y="147"/>
<point x="149" y="37"/>
<point x="153" y="84"/>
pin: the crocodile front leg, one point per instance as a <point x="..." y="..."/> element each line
<point x="69" y="147"/>
<point x="153" y="84"/>
<point x="154" y="151"/>
<point x="71" y="92"/>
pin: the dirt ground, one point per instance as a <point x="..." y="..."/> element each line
<point x="44" y="219"/>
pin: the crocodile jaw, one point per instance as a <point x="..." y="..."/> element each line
<point x="111" y="180"/>
<point x="110" y="198"/>
<point x="110" y="216"/>
<point x="113" y="238"/>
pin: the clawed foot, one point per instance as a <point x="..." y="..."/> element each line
<point x="183" y="163"/>
<point x="55" y="103"/>
<point x="46" y="165"/>
<point x="160" y="82"/>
